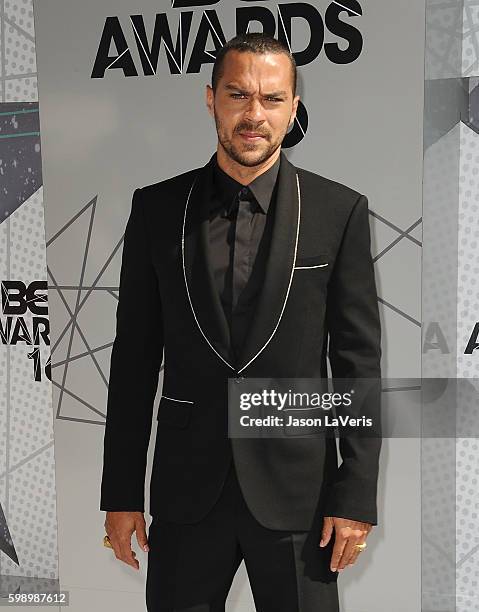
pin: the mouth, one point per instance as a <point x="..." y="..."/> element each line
<point x="251" y="136"/>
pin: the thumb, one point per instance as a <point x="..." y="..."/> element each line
<point x="327" y="531"/>
<point x="141" y="536"/>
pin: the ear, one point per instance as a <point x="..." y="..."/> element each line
<point x="294" y="110"/>
<point x="210" y="100"/>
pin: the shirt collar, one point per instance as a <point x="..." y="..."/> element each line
<point x="226" y="187"/>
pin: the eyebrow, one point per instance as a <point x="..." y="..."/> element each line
<point x="232" y="87"/>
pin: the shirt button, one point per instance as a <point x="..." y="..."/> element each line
<point x="239" y="379"/>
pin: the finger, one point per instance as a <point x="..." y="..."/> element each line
<point x="115" y="545"/>
<point x="118" y="549"/>
<point x="339" y="545"/>
<point x="327" y="531"/>
<point x="357" y="551"/>
<point x="354" y="556"/>
<point x="353" y="539"/>
<point x="126" y="552"/>
<point x="141" y="536"/>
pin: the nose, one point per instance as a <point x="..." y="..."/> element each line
<point x="254" y="110"/>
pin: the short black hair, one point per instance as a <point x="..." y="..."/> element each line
<point x="253" y="42"/>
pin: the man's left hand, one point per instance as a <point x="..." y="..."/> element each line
<point x="348" y="533"/>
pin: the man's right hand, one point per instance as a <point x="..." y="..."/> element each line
<point x="119" y="526"/>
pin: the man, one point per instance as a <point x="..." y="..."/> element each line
<point x="242" y="268"/>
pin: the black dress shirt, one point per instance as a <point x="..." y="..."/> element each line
<point x="240" y="224"/>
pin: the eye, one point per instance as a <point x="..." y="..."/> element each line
<point x="237" y="96"/>
<point x="272" y="99"/>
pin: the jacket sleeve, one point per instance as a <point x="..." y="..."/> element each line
<point x="134" y="370"/>
<point x="354" y="327"/>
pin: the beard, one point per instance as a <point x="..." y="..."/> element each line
<point x="249" y="154"/>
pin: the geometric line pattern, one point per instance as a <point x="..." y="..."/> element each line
<point x="402" y="235"/>
<point x="72" y="326"/>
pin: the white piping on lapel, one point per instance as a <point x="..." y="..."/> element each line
<point x="186" y="282"/>
<point x="289" y="285"/>
<point x="174" y="399"/>
<point x="309" y="267"/>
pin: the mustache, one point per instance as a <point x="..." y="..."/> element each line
<point x="247" y="127"/>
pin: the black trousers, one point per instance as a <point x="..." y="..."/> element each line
<point x="191" y="566"/>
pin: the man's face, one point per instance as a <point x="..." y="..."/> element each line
<point x="253" y="106"/>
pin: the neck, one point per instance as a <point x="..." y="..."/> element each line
<point x="243" y="174"/>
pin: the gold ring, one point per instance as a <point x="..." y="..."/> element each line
<point x="107" y="542"/>
<point x="361" y="546"/>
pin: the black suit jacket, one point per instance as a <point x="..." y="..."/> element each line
<point x="168" y="300"/>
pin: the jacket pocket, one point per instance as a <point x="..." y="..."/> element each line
<point x="316" y="261"/>
<point x="174" y="412"/>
